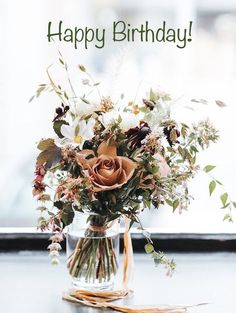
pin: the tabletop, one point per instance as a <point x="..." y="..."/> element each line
<point x="29" y="283"/>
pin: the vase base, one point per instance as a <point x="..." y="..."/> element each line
<point x="78" y="284"/>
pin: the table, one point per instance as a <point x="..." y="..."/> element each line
<point x="29" y="284"/>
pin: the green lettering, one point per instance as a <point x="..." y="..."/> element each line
<point x="50" y="35"/>
<point x="121" y="32"/>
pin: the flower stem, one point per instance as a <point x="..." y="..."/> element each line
<point x="94" y="257"/>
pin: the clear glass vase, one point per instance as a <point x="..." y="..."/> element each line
<point x="92" y="251"/>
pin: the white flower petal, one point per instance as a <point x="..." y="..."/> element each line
<point x="67" y="131"/>
<point x="129" y="120"/>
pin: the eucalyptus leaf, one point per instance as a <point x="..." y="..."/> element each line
<point x="208" y="168"/>
<point x="149" y="248"/>
<point x="175" y="204"/>
<point x="212" y="187"/>
<point x="224" y="198"/>
<point x="169" y="202"/>
<point x="152" y="95"/>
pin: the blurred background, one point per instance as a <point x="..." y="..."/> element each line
<point x="206" y="69"/>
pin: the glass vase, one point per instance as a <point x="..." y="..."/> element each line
<point x="93" y="251"/>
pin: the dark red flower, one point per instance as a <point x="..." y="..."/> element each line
<point x="137" y="134"/>
<point x="38" y="188"/>
<point x="61" y="112"/>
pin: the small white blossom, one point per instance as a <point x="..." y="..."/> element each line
<point x="55" y="261"/>
<point x="53" y="254"/>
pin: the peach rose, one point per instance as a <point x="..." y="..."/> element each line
<point x="109" y="171"/>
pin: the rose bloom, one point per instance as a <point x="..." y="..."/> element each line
<point x="108" y="171"/>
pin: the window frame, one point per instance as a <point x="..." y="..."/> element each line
<point x="28" y="238"/>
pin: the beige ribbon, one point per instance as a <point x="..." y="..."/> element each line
<point x="128" y="258"/>
<point x="104" y="299"/>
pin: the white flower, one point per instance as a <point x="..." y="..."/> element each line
<point x="128" y="119"/>
<point x="54" y="254"/>
<point x="83" y="108"/>
<point x="78" y="132"/>
<point x="55" y="261"/>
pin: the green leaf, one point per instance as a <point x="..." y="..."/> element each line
<point x="44" y="197"/>
<point x="182" y="152"/>
<point x="234" y="204"/>
<point x="119" y="120"/>
<point x="41" y="219"/>
<point x="66" y="96"/>
<point x="212" y="187"/>
<point x="57" y="127"/>
<point x="175" y="204"/>
<point x="50" y="155"/>
<point x="59" y="204"/>
<point x="224" y="198"/>
<point x="152" y="95"/>
<point x="149" y="248"/>
<point x="154" y="169"/>
<point x="228" y="218"/>
<point x="41" y="208"/>
<point x="82" y="68"/>
<point x="61" y="61"/>
<point x="194" y="149"/>
<point x="169" y="202"/>
<point x="208" y="168"/>
<point x="172" y="150"/>
<point x="68" y="214"/>
<point x="183" y="131"/>
<point x="84" y="100"/>
<point x="166" y="97"/>
<point x="226" y="206"/>
<point x="39" y="91"/>
<point x="45" y="144"/>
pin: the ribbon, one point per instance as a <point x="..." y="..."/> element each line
<point x="104" y="299"/>
<point x="128" y="258"/>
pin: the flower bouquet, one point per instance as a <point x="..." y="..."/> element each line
<point x="109" y="161"/>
